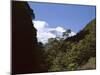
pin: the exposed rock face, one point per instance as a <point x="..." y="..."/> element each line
<point x="25" y="56"/>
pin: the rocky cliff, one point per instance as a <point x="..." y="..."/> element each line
<point x="25" y="55"/>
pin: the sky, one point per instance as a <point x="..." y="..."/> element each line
<point x="52" y="16"/>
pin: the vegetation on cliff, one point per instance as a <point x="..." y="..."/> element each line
<point x="73" y="53"/>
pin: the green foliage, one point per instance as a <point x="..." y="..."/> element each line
<point x="73" y="52"/>
<point x="91" y="64"/>
<point x="66" y="33"/>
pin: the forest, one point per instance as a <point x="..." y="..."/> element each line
<point x="77" y="52"/>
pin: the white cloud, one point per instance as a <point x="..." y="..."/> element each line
<point x="44" y="32"/>
<point x="60" y="29"/>
<point x="72" y="34"/>
<point x="40" y="24"/>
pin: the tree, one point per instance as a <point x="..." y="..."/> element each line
<point x="66" y="33"/>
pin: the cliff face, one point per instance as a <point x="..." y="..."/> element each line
<point x="25" y="56"/>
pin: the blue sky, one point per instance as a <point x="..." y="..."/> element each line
<point x="74" y="17"/>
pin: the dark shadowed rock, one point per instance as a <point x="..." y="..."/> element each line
<point x="25" y="54"/>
